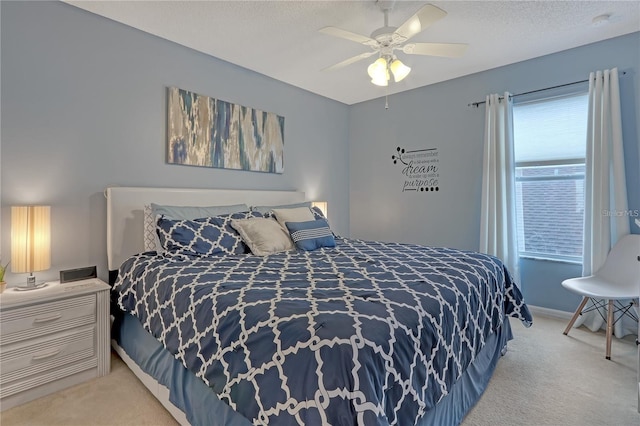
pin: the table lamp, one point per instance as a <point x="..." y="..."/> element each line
<point x="30" y="242"/>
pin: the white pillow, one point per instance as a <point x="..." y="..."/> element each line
<point x="263" y="236"/>
<point x="299" y="214"/>
<point x="266" y="209"/>
<point x="191" y="212"/>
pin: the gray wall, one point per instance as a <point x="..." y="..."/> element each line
<point x="84" y="107"/>
<point x="84" y="104"/>
<point x="438" y="116"/>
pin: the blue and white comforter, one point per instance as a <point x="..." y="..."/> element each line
<point x="365" y="333"/>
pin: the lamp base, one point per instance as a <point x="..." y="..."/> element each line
<point x="31" y="287"/>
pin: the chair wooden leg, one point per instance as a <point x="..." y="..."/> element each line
<point x="609" y="327"/>
<point x="576" y="315"/>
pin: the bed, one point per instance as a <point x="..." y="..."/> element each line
<point x="345" y="332"/>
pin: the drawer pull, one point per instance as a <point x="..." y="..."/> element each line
<point x="46" y="354"/>
<point x="47" y="319"/>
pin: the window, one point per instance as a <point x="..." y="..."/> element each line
<point x="550" y="143"/>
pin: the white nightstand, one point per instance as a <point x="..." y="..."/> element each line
<point x="52" y="338"/>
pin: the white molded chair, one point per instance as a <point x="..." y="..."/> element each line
<point x="618" y="279"/>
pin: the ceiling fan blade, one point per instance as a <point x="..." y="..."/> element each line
<point x="446" y="50"/>
<point x="420" y="21"/>
<point x="348" y="35"/>
<point x="349" y="61"/>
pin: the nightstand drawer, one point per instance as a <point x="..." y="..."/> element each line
<point x="20" y="361"/>
<point x="38" y="320"/>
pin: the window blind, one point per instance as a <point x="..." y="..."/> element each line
<point x="551" y="129"/>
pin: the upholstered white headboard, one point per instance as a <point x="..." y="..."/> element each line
<point x="125" y="206"/>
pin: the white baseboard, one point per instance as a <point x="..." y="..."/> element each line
<point x="553" y="313"/>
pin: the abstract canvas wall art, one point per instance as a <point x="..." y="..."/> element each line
<point x="207" y="132"/>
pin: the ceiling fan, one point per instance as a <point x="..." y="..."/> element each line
<point x="386" y="40"/>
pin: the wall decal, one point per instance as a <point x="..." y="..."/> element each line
<point x="207" y="132"/>
<point x="420" y="168"/>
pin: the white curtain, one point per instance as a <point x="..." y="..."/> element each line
<point x="498" y="235"/>
<point x="605" y="185"/>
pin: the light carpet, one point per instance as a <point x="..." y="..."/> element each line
<point x="545" y="378"/>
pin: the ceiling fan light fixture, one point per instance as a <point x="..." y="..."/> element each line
<point x="386" y="40"/>
<point x="377" y="70"/>
<point x="399" y="70"/>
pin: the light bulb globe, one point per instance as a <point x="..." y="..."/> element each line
<point x="399" y="70"/>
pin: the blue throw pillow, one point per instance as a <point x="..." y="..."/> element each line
<point x="317" y="213"/>
<point x="311" y="235"/>
<point x="208" y="236"/>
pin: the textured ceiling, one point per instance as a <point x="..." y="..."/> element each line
<point x="280" y="39"/>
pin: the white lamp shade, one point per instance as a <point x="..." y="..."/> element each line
<point x="378" y="69"/>
<point x="30" y="238"/>
<point x="380" y="72"/>
<point x="399" y="70"/>
<point x="371" y="70"/>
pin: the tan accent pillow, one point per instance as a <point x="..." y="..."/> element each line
<point x="263" y="236"/>
<point x="299" y="214"/>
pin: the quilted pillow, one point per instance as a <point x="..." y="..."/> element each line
<point x="311" y="235"/>
<point x="152" y="211"/>
<point x="207" y="236"/>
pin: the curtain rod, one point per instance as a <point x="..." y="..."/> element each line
<point x="477" y="104"/>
